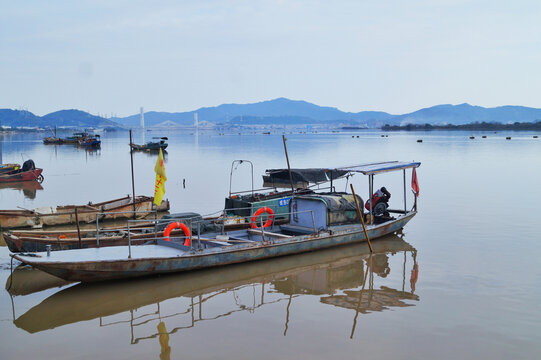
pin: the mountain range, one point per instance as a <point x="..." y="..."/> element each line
<point x="279" y="112"/>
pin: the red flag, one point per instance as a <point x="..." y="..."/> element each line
<point x="414" y="183"/>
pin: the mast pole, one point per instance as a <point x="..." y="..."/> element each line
<point x="132" y="177"/>
<point x="288" y="167"/>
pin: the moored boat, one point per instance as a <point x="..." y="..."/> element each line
<point x="316" y="221"/>
<point x="120" y="208"/>
<point x="90" y="141"/>
<point x="28" y="172"/>
<point x="152" y="145"/>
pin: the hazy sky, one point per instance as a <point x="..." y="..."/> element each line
<point x="397" y="56"/>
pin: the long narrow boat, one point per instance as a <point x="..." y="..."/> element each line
<point x="331" y="270"/>
<point x="61" y="215"/>
<point x="315" y="222"/>
<point x="66" y="239"/>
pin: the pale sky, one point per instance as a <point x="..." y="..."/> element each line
<point x="111" y="57"/>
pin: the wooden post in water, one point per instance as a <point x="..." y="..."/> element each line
<point x="78" y="228"/>
<point x="361" y="216"/>
<point x="132" y="179"/>
<point x="288" y="167"/>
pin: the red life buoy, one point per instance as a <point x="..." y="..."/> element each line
<point x="182" y="227"/>
<point x="259" y="212"/>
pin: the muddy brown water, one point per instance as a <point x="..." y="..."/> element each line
<point x="461" y="281"/>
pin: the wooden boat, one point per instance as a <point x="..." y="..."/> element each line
<point x="66" y="239"/>
<point x="17" y="176"/>
<point x="315" y="222"/>
<point x="152" y="145"/>
<point x="335" y="269"/>
<point x="52" y="141"/>
<point x="60" y="215"/>
<point x="75" y="138"/>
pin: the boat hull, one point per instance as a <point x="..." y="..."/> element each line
<point x="63" y="215"/>
<point x="21" y="176"/>
<point x="100" y="270"/>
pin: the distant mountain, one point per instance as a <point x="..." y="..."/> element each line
<point x="466" y="114"/>
<point x="16" y="118"/>
<point x="62" y="118"/>
<point x="279" y="110"/>
<point x="77" y="118"/>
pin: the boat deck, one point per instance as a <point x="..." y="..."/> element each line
<point x="110" y="253"/>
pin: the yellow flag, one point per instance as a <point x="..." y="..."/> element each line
<point x="159" y="188"/>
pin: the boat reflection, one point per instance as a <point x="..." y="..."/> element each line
<point x="25" y="280"/>
<point x="342" y="277"/>
<point x="29" y="188"/>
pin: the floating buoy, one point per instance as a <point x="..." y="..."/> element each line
<point x="508" y="138"/>
<point x="420" y="140"/>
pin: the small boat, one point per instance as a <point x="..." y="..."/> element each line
<point x="121" y="208"/>
<point x="52" y="141"/>
<point x="316" y="221"/>
<point x="28" y="172"/>
<point x="75" y="138"/>
<point x="152" y="145"/>
<point x="66" y="239"/>
<point x="90" y="141"/>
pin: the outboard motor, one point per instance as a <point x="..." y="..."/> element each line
<point x="28" y="165"/>
<point x="380" y="201"/>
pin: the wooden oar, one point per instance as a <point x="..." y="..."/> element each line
<point x="361" y="216"/>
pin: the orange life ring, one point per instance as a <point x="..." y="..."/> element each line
<point x="182" y="227"/>
<point x="259" y="212"/>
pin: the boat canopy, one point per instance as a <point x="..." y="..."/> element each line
<point x="301" y="177"/>
<point x="381" y="167"/>
<point x="304" y="177"/>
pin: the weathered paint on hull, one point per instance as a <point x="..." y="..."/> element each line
<point x="25" y="218"/>
<point x="109" y="270"/>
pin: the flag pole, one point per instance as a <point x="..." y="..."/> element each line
<point x="132" y="178"/>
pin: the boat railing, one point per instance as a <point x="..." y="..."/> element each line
<point x="196" y="221"/>
<point x="134" y="213"/>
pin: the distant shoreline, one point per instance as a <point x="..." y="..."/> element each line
<point x="484" y="126"/>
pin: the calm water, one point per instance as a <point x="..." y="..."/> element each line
<point x="462" y="281"/>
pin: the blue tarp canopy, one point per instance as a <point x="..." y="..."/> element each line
<point x="381" y="167"/>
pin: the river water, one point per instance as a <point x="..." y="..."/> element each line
<point x="461" y="281"/>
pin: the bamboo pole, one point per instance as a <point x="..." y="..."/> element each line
<point x="288" y="167"/>
<point x="361" y="216"/>
<point x="78" y="228"/>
